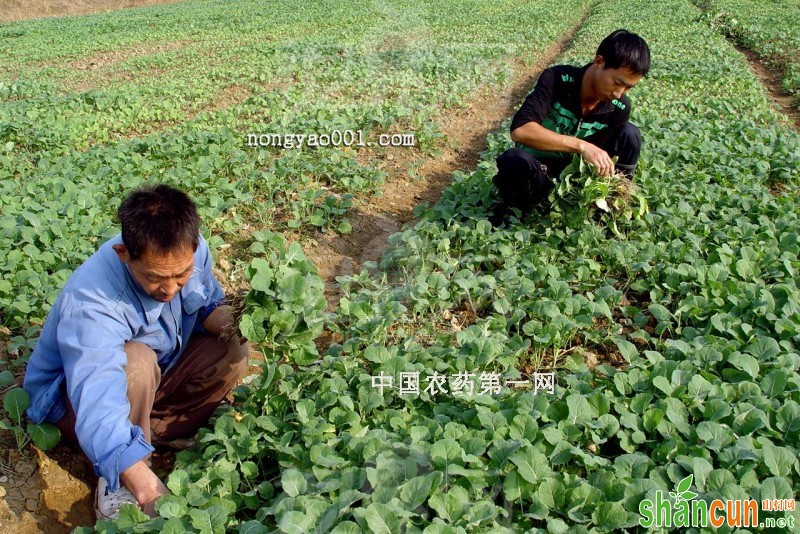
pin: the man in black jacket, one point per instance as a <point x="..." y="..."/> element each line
<point x="575" y="110"/>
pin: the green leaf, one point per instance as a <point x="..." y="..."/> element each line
<point x="178" y="482"/>
<point x="788" y="417"/>
<point x="6" y="379"/>
<point x="381" y="520"/>
<point x="345" y="227"/>
<point x="719" y="479"/>
<point x="252" y="527"/>
<point x="445" y="452"/>
<point x="415" y="491"/>
<point x="663" y="384"/>
<point x="580" y="411"/>
<point x="764" y="349"/>
<point x="514" y="485"/>
<point x="746" y="269"/>
<point x="294" y="522"/>
<point x="533" y="465"/>
<point x="293" y="482"/>
<point x="451" y="505"/>
<point x="440" y="528"/>
<point x="501" y="451"/>
<point x="660" y="313"/>
<point x="324" y="455"/>
<point x="714" y="435"/>
<point x="347" y="527"/>
<point x="557" y="526"/>
<point x="172" y="506"/>
<point x="678" y="415"/>
<point x="551" y="493"/>
<point x="45" y="436"/>
<point x="208" y="521"/>
<point x="776" y="488"/>
<point x="609" y="516"/>
<point x="257" y="248"/>
<point x="292" y="287"/>
<point x="15" y="403"/>
<point x="305" y="410"/>
<point x="774" y="383"/>
<point x="481" y="512"/>
<point x="627" y="349"/>
<point x="744" y="362"/>
<point x="523" y="426"/>
<point x="249" y="469"/>
<point x="778" y="460"/>
<point x="263" y="278"/>
<point x="174" y="526"/>
<point x="702" y="469"/>
<point x="130" y="515"/>
<point x="717" y="409"/>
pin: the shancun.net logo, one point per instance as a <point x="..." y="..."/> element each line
<point x="685" y="511"/>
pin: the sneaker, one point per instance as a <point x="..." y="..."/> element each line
<point x="106" y="504"/>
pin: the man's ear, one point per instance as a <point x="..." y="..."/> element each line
<point x="122" y="253"/>
<point x="599" y="62"/>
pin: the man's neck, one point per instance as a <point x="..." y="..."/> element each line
<point x="589" y="100"/>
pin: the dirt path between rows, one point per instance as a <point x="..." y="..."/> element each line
<point x="771" y="78"/>
<point x="52" y="492"/>
<point x="466" y="130"/>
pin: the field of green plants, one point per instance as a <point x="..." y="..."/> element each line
<point x="771" y="29"/>
<point x="74" y="130"/>
<point x="674" y="336"/>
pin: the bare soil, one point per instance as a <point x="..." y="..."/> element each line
<point x="105" y="68"/>
<point x="11" y="10"/>
<point x="771" y="78"/>
<point x="109" y="59"/>
<point x="44" y="492"/>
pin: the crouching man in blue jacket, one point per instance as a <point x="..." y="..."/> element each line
<point x="130" y="355"/>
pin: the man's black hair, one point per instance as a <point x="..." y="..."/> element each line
<point x="625" y="49"/>
<point x="158" y="218"/>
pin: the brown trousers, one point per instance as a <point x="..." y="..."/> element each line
<point x="180" y="403"/>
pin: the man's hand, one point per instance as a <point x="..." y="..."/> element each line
<point x="218" y="320"/>
<point x="145" y="486"/>
<point x="536" y="136"/>
<point x="597" y="158"/>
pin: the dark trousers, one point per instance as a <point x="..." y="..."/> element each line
<point x="523" y="183"/>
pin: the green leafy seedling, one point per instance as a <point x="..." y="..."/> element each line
<point x="45" y="436"/>
<point x="15" y="403"/>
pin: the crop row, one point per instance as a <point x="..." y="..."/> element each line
<point x="771" y="29"/>
<point x="65" y="154"/>
<point x="689" y="324"/>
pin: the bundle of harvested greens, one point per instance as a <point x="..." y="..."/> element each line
<point x="580" y="192"/>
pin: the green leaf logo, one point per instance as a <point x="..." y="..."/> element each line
<point x="682" y="492"/>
